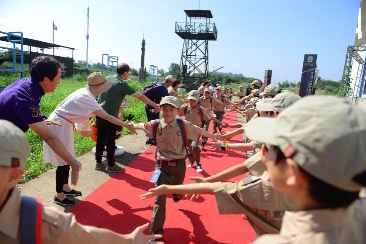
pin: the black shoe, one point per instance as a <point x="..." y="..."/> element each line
<point x="203" y="143"/>
<point x="65" y="202"/>
<point x="72" y="193"/>
<point x="177" y="199"/>
<point x="150" y="141"/>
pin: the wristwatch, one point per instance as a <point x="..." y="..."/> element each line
<point x="223" y="146"/>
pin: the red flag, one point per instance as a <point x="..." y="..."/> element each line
<point x="54" y="26"/>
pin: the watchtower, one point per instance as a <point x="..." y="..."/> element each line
<point x="196" y="32"/>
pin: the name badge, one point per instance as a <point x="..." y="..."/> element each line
<point x="155" y="176"/>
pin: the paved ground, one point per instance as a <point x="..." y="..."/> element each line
<point x="90" y="179"/>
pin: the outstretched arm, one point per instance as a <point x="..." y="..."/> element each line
<point x="202" y="188"/>
<point x="227" y="174"/>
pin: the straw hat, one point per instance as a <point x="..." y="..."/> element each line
<point x="97" y="83"/>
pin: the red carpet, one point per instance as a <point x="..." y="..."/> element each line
<point x="116" y="204"/>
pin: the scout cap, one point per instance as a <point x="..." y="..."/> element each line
<point x="272" y="89"/>
<point x="14" y="145"/>
<point x="261" y="101"/>
<point x="256" y="83"/>
<point x="279" y="102"/>
<point x="256" y="92"/>
<point x="174" y="101"/>
<point x="207" y="90"/>
<point x="334" y="154"/>
<point x="194" y="95"/>
<point x="97" y="83"/>
<point x="219" y="88"/>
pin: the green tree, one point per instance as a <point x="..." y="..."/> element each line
<point x="174" y="69"/>
<point x="134" y="72"/>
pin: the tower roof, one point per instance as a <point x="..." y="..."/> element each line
<point x="198" y="13"/>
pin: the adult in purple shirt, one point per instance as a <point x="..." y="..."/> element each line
<point x="19" y="104"/>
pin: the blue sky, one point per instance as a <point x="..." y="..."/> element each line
<point x="253" y="35"/>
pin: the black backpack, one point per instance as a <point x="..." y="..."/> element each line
<point x="150" y="91"/>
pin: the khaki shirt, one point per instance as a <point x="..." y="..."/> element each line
<point x="262" y="205"/>
<point x="169" y="142"/>
<point x="193" y="115"/>
<point x="342" y="225"/>
<point x="57" y="226"/>
<point x="219" y="107"/>
<point x="208" y="103"/>
<point x="172" y="91"/>
<point x="255" y="165"/>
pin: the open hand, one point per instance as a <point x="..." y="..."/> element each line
<point x="131" y="128"/>
<point x="160" y="190"/>
<point x="51" y="122"/>
<point x="138" y="237"/>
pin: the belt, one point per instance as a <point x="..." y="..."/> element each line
<point x="219" y="112"/>
<point x="171" y="163"/>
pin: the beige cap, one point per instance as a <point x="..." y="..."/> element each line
<point x="279" y="102"/>
<point x="97" y="83"/>
<point x="262" y="101"/>
<point x="14" y="145"/>
<point x="256" y="92"/>
<point x="334" y="154"/>
<point x="219" y="88"/>
<point x="174" y="101"/>
<point x="208" y="90"/>
<point x="272" y="89"/>
<point x="257" y="83"/>
<point x="194" y="95"/>
<point x="263" y="93"/>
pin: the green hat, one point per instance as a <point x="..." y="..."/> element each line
<point x="14" y="145"/>
<point x="174" y="101"/>
<point x="304" y="132"/>
<point x="279" y="102"/>
<point x="194" y="95"/>
<point x="257" y="83"/>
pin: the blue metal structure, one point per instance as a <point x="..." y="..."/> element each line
<point x="110" y="65"/>
<point x="15" y="38"/>
<point x="153" y="72"/>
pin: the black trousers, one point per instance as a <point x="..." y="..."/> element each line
<point x="106" y="136"/>
<point x="150" y="115"/>
<point x="62" y="177"/>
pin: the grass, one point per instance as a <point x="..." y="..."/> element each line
<point x="35" y="164"/>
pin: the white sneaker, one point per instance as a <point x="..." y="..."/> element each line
<point x="199" y="168"/>
<point x="190" y="165"/>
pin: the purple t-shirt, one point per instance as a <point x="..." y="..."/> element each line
<point x="19" y="103"/>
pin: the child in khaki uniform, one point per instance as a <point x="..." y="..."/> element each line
<point x="322" y="168"/>
<point x="51" y="225"/>
<point x="208" y="102"/>
<point x="197" y="115"/>
<point x="219" y="110"/>
<point x="170" y="154"/>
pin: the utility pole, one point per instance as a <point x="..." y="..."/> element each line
<point x="87" y="38"/>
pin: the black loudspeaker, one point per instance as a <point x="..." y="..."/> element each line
<point x="267" y="77"/>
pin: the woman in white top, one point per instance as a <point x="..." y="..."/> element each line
<point x="75" y="110"/>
